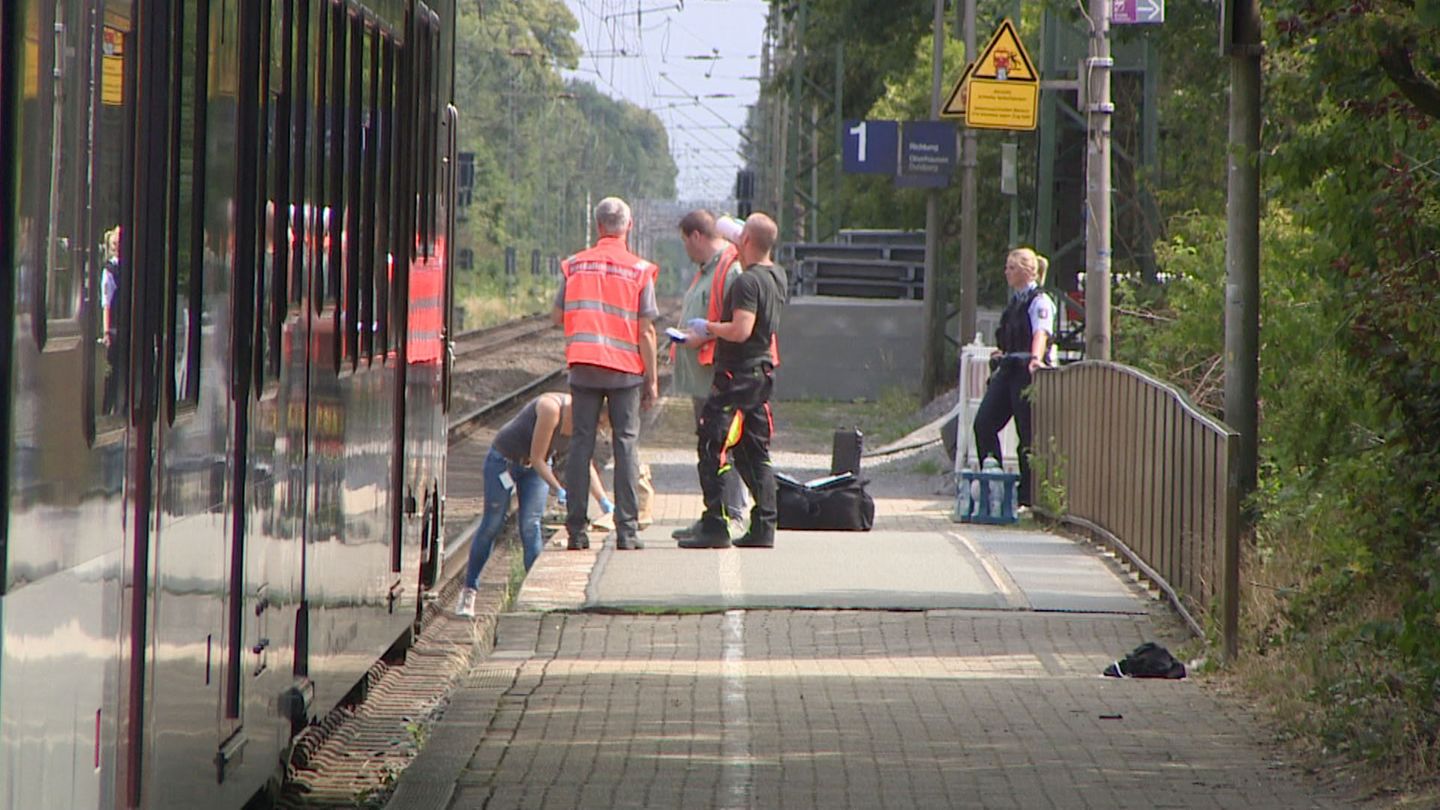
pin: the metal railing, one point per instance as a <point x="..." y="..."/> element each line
<point x="1144" y="471"/>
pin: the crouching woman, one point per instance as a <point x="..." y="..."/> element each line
<point x="519" y="463"/>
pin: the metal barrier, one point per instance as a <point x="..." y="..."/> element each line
<point x="1146" y="472"/>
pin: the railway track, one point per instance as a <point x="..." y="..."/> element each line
<point x="499" y="367"/>
<point x="476" y="341"/>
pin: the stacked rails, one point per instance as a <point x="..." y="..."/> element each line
<point x="881" y="264"/>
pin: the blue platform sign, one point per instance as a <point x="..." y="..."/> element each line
<point x="927" y="154"/>
<point x="870" y="147"/>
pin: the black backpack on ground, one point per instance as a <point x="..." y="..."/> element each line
<point x="1149" y="660"/>
<point x="839" y="503"/>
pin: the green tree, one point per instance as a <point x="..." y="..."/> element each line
<point x="543" y="145"/>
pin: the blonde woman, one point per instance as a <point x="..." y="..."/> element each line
<point x="1026" y="327"/>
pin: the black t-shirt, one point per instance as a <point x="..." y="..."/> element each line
<point x="760" y="289"/>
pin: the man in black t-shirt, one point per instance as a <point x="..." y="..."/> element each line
<point x="735" y="423"/>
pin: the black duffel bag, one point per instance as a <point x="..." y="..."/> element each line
<point x="839" y="503"/>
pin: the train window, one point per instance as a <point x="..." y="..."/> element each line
<point x="299" y="88"/>
<point x="9" y="50"/>
<point x="354" y="174"/>
<point x="385" y="194"/>
<point x="424" y="134"/>
<point x="402" y="217"/>
<point x="337" y="151"/>
<point x="187" y="205"/>
<point x="430" y="146"/>
<point x="66" y="246"/>
<point x="54" y="241"/>
<point x="277" y="216"/>
<point x="263" y="204"/>
<point x="113" y="173"/>
<point x="366" y="282"/>
<point x="316" y="209"/>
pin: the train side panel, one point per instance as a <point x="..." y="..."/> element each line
<point x="224" y="459"/>
<point x="65" y="439"/>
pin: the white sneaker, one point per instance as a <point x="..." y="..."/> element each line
<point x="465" y="606"/>
<point x="736" y="528"/>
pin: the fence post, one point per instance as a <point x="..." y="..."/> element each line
<point x="1230" y="557"/>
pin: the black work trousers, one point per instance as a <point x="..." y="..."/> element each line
<point x="1004" y="398"/>
<point x="734" y="431"/>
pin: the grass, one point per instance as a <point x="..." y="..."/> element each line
<point x="809" y="425"/>
<point x="928" y="466"/>
<point x="489" y="301"/>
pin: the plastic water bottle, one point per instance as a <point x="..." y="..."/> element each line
<point x="730" y="228"/>
<point x="964" y="503"/>
<point x="997" y="491"/>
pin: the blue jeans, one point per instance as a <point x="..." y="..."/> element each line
<point x="532" y="490"/>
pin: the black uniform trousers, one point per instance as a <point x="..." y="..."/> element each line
<point x="1004" y="399"/>
<point x="734" y="431"/>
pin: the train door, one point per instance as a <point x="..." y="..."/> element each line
<point x="62" y="440"/>
<point x="199" y="644"/>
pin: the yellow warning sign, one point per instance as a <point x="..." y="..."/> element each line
<point x="1004" y="58"/>
<point x="995" y="104"/>
<point x="954" y="106"/>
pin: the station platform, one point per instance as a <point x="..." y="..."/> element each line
<point x="922" y="664"/>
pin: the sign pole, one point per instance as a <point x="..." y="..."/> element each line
<point x="1098" y="110"/>
<point x="969" y="295"/>
<point x="1241" y="41"/>
<point x="934" y="320"/>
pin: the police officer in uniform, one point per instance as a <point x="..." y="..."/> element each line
<point x="735" y="423"/>
<point x="1026" y="327"/>
<point x="606" y="303"/>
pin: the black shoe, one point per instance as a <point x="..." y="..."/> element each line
<point x="578" y="543"/>
<point x="686" y="531"/>
<point x="633" y="544"/>
<point x="707" y="537"/>
<point x="751" y="541"/>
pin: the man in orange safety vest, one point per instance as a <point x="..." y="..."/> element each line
<point x="735" y="424"/>
<point x="718" y="265"/>
<point x="606" y="303"/>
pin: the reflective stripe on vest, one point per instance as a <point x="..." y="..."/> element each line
<point x="602" y="290"/>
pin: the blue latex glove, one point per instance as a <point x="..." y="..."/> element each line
<point x="560" y="497"/>
<point x="697" y="325"/>
<point x="606" y="506"/>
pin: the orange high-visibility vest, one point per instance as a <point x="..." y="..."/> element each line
<point x="602" y="296"/>
<point x="729" y="256"/>
<point x="706" y="353"/>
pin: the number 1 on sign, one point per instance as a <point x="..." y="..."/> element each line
<point x="859" y="132"/>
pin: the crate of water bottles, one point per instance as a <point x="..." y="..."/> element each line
<point x="986" y="495"/>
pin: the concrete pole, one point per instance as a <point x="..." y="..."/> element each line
<point x="1098" y="111"/>
<point x="1242" y="243"/>
<point x="969" y="159"/>
<point x="933" y="360"/>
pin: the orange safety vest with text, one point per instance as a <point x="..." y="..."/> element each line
<point x="602" y="296"/>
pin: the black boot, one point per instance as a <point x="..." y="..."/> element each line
<point x="712" y="534"/>
<point x="757" y="537"/>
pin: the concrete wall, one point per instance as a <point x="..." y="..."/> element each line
<point x="848" y="348"/>
<point x="855" y="348"/>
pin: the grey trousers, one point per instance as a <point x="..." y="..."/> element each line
<point x="623" y="406"/>
<point x="735" y="497"/>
